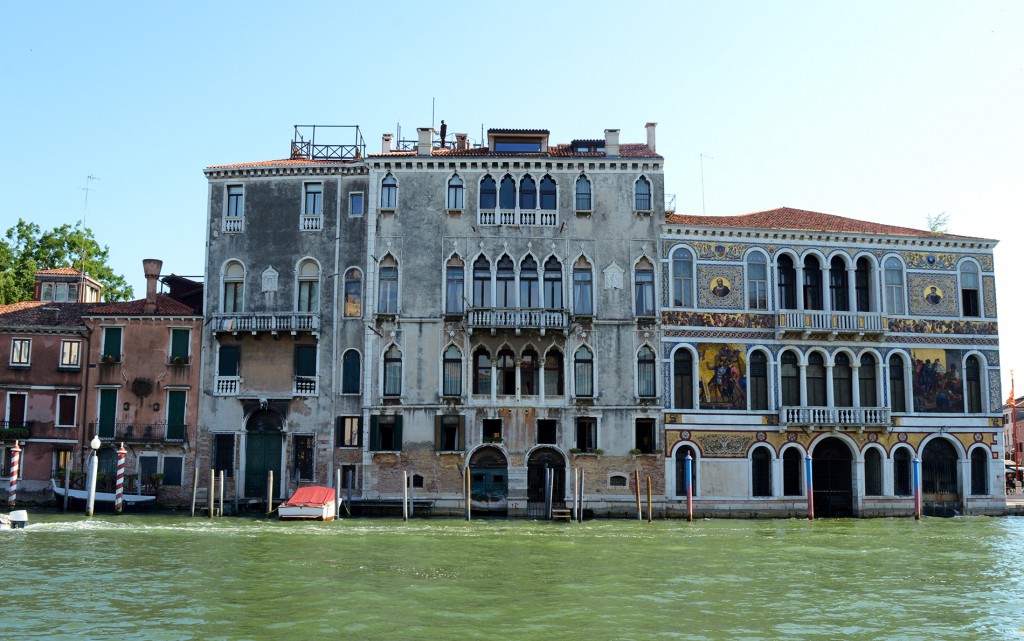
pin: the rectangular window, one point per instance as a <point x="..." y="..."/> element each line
<point x="17" y="405"/>
<point x="61" y="295"/>
<point x="582" y="291"/>
<point x="355" y="203"/>
<point x="148" y="466"/>
<point x="314" y="199"/>
<point x="454" y="289"/>
<point x="309" y="295"/>
<point x="348" y="477"/>
<point x="67" y="410"/>
<point x="21" y="351"/>
<point x="388" y="300"/>
<point x="302" y="456"/>
<point x="305" y="369"/>
<point x="229" y="360"/>
<point x="176" y="415"/>
<point x="224" y="454"/>
<point x="385" y="433"/>
<point x="179" y="346"/>
<point x="448" y="433"/>
<point x="107" y="413"/>
<point x="645" y="435"/>
<point x="348" y="431"/>
<point x="172" y="471"/>
<point x="111" y="345"/>
<point x="547" y="433"/>
<point x="236" y="199"/>
<point x="586" y="434"/>
<point x="492" y="430"/>
<point x="70" y="353"/>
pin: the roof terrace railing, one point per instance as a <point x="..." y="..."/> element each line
<point x="305" y="144"/>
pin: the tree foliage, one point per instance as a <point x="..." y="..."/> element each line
<point x="939" y="223"/>
<point x="26" y="249"/>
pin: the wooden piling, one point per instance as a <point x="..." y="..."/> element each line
<point x="270" y="491"/>
<point x="220" y="511"/>
<point x="575" y="489"/>
<point x="67" y="486"/>
<point x="337" y="486"/>
<point x="583" y="479"/>
<point x="195" y="487"/>
<point x="405" y="496"/>
<point x="650" y="501"/>
<point x="211" y="496"/>
<point x="639" y="511"/>
<point x="469" y="516"/>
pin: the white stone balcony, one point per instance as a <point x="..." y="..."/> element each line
<point x="227" y="385"/>
<point x="518" y="319"/>
<point x="311" y="223"/>
<point x="524" y="217"/>
<point x="271" y="322"/>
<point x="834" y="417"/>
<point x="807" y="322"/>
<point x="234" y="224"/>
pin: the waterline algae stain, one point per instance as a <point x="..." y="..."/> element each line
<point x="161" y="578"/>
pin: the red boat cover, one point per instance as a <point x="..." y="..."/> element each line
<point x="312" y="496"/>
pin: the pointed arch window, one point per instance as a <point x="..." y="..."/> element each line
<point x="456" y="192"/>
<point x="234" y="279"/>
<point x="972" y="384"/>
<point x="645" y="368"/>
<point x="643" y="279"/>
<point x="388" y="192"/>
<point x="583" y="200"/>
<point x="553" y="283"/>
<point x="353" y="293"/>
<point x="582" y="288"/>
<point x="548" y="193"/>
<point x="758" y="374"/>
<point x="488" y="193"/>
<point x="584" y="367"/>
<point x="894" y="288"/>
<point x="454" y="290"/>
<point x="842" y="381"/>
<point x="392" y="372"/>
<point x="868" y="381"/>
<point x="452" y="377"/>
<point x="529" y="284"/>
<point x="970" y="297"/>
<point x="387" y="302"/>
<point x="505" y="294"/>
<point x="787" y="282"/>
<point x="757" y="281"/>
<point x="309" y="286"/>
<point x="897" y="384"/>
<point x="682" y="379"/>
<point x="682" y="278"/>
<point x="816" y="396"/>
<point x="527" y="193"/>
<point x="506" y="370"/>
<point x="507" y="193"/>
<point x="528" y="373"/>
<point x="554" y="374"/>
<point x="481" y="283"/>
<point x="481" y="371"/>
<point x="350" y="372"/>
<point x="790" y="378"/>
<point x="642" y="195"/>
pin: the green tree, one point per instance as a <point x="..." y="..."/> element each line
<point x="25" y="249"/>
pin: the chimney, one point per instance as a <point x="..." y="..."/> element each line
<point x="611" y="142"/>
<point x="650" y="135"/>
<point x="385" y="143"/>
<point x="151" y="267"/>
<point x="424" y="144"/>
<point x="50" y="315"/>
<point x="461" y="142"/>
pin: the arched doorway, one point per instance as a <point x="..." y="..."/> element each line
<point x="541" y="460"/>
<point x="488" y="489"/>
<point x="940" y="487"/>
<point x="832" y="465"/>
<point x="263" y="438"/>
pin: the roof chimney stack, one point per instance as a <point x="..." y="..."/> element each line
<point x="151" y="267"/>
<point x="611" y="142"/>
<point x="424" y="143"/>
<point x="460" y="141"/>
<point x="385" y="143"/>
<point x="50" y="315"/>
<point x="650" y="135"/>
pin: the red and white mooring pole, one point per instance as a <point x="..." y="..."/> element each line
<point x="12" y="493"/>
<point x="119" y="480"/>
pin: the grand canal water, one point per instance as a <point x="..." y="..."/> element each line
<point x="158" y="577"/>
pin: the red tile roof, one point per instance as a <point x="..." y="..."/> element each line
<point x="279" y="163"/>
<point x="628" y="150"/>
<point x="165" y="306"/>
<point x="31" y="312"/>
<point x="787" y="218"/>
<point x="61" y="271"/>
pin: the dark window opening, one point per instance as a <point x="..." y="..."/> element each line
<point x="645" y="435"/>
<point x="586" y="434"/>
<point x="302" y="457"/>
<point x="761" y="472"/>
<point x="492" y="428"/>
<point x="224" y="454"/>
<point x="547" y="433"/>
<point x="791" y="460"/>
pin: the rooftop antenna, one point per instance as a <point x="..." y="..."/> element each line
<point x="85" y="210"/>
<point x="703" y="210"/>
<point x="433" y="103"/>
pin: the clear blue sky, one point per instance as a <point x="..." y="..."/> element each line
<point x="882" y="111"/>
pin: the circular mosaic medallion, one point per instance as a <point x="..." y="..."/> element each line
<point x="761" y="436"/>
<point x="685" y="435"/>
<point x="978" y="437"/>
<point x="791" y="437"/>
<point x="873" y="438"/>
<point x="902" y="437"/>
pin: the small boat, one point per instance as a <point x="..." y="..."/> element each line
<point x="16" y="520"/>
<point x="315" y="503"/>
<point x="103" y="500"/>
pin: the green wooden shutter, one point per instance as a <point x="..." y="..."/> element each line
<point x="437" y="432"/>
<point x="305" y="360"/>
<point x="179" y="344"/>
<point x="176" y="415"/>
<point x="374" y="433"/>
<point x="112" y="342"/>
<point x="229" y="359"/>
<point x="108" y="413"/>
<point x="398" y="432"/>
<point x="462" y="433"/>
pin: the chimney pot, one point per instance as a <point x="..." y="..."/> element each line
<point x="151" y="267"/>
<point x="611" y="142"/>
<point x="460" y="141"/>
<point x="424" y="144"/>
<point x="385" y="143"/>
<point x="650" y="135"/>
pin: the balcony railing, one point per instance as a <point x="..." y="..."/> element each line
<point x="234" y="224"/>
<point x="507" y="318"/>
<point x="12" y="430"/>
<point x="809" y="321"/>
<point x="526" y="217"/>
<point x="312" y="222"/>
<point x="806" y="416"/>
<point x="141" y="432"/>
<point x="227" y="385"/>
<point x="266" y="322"/>
<point x="304" y="386"/>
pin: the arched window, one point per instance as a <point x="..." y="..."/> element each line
<point x="842" y="381"/>
<point x="970" y="297"/>
<point x="392" y="372"/>
<point x="353" y="293"/>
<point x="682" y="379"/>
<point x="582" y="288"/>
<point x="454" y="290"/>
<point x="872" y="472"/>
<point x="812" y="283"/>
<point x="481" y="283"/>
<point x="505" y="294"/>
<point x="528" y="373"/>
<point x="642" y="195"/>
<point x="897" y="384"/>
<point x="790" y="375"/>
<point x="868" y="381"/>
<point x="682" y="278"/>
<point x="643" y="280"/>
<point x="972" y="384"/>
<point x="646" y="384"/>
<point x="681" y="453"/>
<point x="979" y="472"/>
<point x="787" y="282"/>
<point x="481" y="371"/>
<point x="758" y="377"/>
<point x="452" y="365"/>
<point x="895" y="298"/>
<point x="838" y="285"/>
<point x="387" y="301"/>
<point x="506" y="370"/>
<point x="862" y="284"/>
<point x="816" y="380"/>
<point x="234" y="279"/>
<point x="350" y="372"/>
<point x="757" y="281"/>
<point x="553" y="283"/>
<point x="507" y="193"/>
<point x="529" y="284"/>
<point x="527" y="193"/>
<point x="761" y="471"/>
<point x="554" y="376"/>
<point x="583" y="202"/>
<point x="488" y="193"/>
<point x="388" y="192"/>
<point x="548" y="193"/>
<point x="309" y="286"/>
<point x="584" y="367"/>
<point x="901" y="472"/>
<point x="456" y="192"/>
<point x="791" y="473"/>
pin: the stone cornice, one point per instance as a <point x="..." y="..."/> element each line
<point x="773" y="236"/>
<point x="281" y="171"/>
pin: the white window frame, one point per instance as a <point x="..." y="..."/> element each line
<point x="56" y="416"/>
<point x="21" y="352"/>
<point x="76" y="362"/>
<point x="351" y="204"/>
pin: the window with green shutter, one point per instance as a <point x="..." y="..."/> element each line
<point x="111" y="344"/>
<point x="179" y="346"/>
<point x="176" y="415"/>
<point x="385" y="433"/>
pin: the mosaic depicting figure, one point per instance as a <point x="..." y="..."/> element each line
<point x="723" y="377"/>
<point x="938" y="384"/>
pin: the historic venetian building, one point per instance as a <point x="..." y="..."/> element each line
<point x="790" y="335"/>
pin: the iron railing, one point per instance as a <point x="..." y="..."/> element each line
<point x="141" y="432"/>
<point x="305" y="145"/>
<point x="12" y="430"/>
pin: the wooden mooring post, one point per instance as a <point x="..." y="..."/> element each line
<point x="270" y="491"/>
<point x="195" y="487"/>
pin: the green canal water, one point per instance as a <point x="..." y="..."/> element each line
<point x="158" y="577"/>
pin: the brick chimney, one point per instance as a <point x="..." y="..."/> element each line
<point x="151" y="267"/>
<point x="460" y="141"/>
<point x="611" y="142"/>
<point x="650" y="135"/>
<point x="385" y="143"/>
<point x="424" y="143"/>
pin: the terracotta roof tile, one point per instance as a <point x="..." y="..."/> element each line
<point x="292" y="162"/>
<point x="31" y="313"/>
<point x="629" y="150"/>
<point x="61" y="271"/>
<point x="165" y="306"/>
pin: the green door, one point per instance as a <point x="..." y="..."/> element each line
<point x="262" y="453"/>
<point x="108" y="412"/>
<point x="176" y="415"/>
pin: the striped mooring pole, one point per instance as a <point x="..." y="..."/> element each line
<point x="689" y="487"/>
<point x="119" y="480"/>
<point x="917" y="488"/>
<point x="810" y="488"/>
<point x="12" y="493"/>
